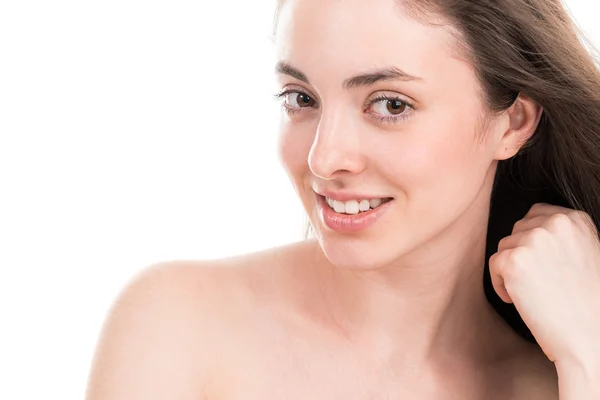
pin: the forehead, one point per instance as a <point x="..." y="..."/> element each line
<point x="345" y="36"/>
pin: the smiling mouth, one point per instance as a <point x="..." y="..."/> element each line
<point x="353" y="207"/>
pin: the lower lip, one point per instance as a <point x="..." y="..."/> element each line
<point x="347" y="223"/>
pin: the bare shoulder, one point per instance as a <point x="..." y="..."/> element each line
<point x="160" y="336"/>
<point x="149" y="345"/>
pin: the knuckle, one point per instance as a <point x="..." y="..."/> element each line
<point x="538" y="235"/>
<point x="516" y="260"/>
<point x="537" y="206"/>
<point x="498" y="263"/>
<point x="517" y="254"/>
<point x="494" y="263"/>
<point x="559" y="222"/>
<point x="518" y="224"/>
<point x="502" y="242"/>
<point x="509" y="263"/>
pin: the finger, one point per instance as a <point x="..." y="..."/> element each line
<point x="578" y="218"/>
<point x="509" y="242"/>
<point x="545" y="209"/>
<point x="515" y="240"/>
<point x="527" y="224"/>
<point x="497" y="263"/>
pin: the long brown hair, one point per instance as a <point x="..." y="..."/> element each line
<point x="531" y="47"/>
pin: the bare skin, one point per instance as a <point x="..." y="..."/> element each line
<point x="264" y="326"/>
<point x="284" y="316"/>
<point x="394" y="311"/>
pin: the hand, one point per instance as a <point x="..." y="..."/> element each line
<point x="549" y="267"/>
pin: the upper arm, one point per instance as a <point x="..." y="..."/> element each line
<point x="153" y="344"/>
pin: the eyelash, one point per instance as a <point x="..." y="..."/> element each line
<point x="386" y="120"/>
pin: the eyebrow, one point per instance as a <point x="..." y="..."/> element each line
<point x="365" y="79"/>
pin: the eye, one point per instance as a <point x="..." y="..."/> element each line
<point x="391" y="106"/>
<point x="294" y="100"/>
<point x="389" y="109"/>
<point x="298" y="99"/>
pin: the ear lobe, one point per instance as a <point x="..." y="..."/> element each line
<point x="524" y="116"/>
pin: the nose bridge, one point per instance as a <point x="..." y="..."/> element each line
<point x="335" y="147"/>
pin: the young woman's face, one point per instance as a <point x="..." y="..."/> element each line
<point x="413" y="138"/>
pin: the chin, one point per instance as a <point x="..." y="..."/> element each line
<point x="356" y="253"/>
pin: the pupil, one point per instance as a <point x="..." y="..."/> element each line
<point x="394" y="106"/>
<point x="305" y="100"/>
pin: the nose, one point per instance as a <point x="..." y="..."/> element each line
<point x="336" y="151"/>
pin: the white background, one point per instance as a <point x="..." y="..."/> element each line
<point x="131" y="132"/>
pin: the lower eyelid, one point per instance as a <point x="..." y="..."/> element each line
<point x="391" y="119"/>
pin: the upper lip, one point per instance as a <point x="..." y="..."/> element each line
<point x="346" y="196"/>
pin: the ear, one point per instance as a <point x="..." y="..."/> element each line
<point x="522" y="119"/>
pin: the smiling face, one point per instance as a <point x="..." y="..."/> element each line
<point x="377" y="105"/>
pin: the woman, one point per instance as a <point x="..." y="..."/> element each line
<point x="425" y="139"/>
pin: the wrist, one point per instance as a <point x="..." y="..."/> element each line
<point x="579" y="378"/>
<point x="583" y="352"/>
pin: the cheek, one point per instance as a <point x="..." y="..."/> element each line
<point x="446" y="162"/>
<point x="294" y="144"/>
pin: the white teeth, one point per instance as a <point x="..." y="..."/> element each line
<point x="364" y="205"/>
<point x="374" y="203"/>
<point x="339" y="206"/>
<point x="351" y="207"/>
